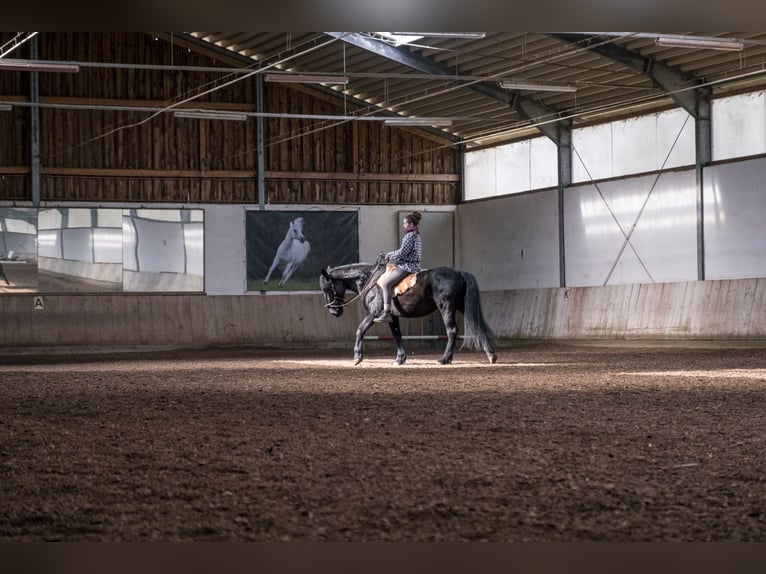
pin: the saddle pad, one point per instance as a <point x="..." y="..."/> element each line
<point x="403" y="285"/>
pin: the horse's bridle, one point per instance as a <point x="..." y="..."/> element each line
<point x="363" y="291"/>
<point x="335" y="297"/>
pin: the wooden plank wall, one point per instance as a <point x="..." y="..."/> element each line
<point x="121" y="320"/>
<point x="721" y="310"/>
<point x="724" y="309"/>
<point x="92" y="154"/>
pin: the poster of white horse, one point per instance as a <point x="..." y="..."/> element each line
<point x="292" y="251"/>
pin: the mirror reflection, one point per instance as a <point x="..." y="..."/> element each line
<point x="18" y="250"/>
<point x="84" y="249"/>
<point x="79" y="249"/>
<point x="162" y="250"/>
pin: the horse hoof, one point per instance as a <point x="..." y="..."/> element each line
<point x="445" y="361"/>
<point x="357" y="361"/>
<point x="493" y="359"/>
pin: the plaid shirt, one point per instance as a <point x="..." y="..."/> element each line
<point x="409" y="254"/>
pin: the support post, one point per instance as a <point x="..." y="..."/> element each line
<point x="564" y="149"/>
<point x="261" y="176"/>
<point x="34" y="97"/>
<point x="703" y="157"/>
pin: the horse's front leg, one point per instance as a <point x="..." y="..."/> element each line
<point x="287" y="273"/>
<point x="401" y="355"/>
<point x="360" y="331"/>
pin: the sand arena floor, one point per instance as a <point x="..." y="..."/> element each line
<point x="553" y="443"/>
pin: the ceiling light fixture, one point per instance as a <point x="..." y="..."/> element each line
<point x="436" y="122"/>
<point x="691" y="42"/>
<point x="211" y="115"/>
<point x="477" y="35"/>
<point x="5" y="107"/>
<point x="36" y="66"/>
<point x="306" y="79"/>
<point x="537" y="86"/>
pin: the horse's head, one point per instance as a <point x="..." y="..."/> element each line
<point x="296" y="229"/>
<point x="334" y="291"/>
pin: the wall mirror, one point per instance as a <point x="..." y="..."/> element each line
<point x="18" y="250"/>
<point x="84" y="249"/>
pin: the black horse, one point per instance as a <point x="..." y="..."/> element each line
<point x="442" y="288"/>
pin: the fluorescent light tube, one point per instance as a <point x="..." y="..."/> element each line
<point x="5" y="107"/>
<point x="306" y="79"/>
<point x="537" y="86"/>
<point x="477" y="35"/>
<point x="437" y="122"/>
<point x="211" y="115"/>
<point x="709" y="43"/>
<point x="36" y="66"/>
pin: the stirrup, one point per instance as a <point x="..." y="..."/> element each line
<point x="385" y="317"/>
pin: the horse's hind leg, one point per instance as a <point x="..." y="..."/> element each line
<point x="448" y="316"/>
<point x="271" y="269"/>
<point x="288" y="272"/>
<point x="401" y="354"/>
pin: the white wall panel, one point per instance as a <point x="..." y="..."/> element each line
<point x="225" y="271"/>
<point x="78" y="244"/>
<point x="107" y="243"/>
<point x="511" y="242"/>
<point x="735" y="209"/>
<point x="662" y="246"/>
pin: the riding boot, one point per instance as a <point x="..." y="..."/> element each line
<point x="384" y="317"/>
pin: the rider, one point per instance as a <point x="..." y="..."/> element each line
<point x="407" y="259"/>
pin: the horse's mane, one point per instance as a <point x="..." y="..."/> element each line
<point x="351" y="270"/>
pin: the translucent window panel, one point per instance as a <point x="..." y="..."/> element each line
<point x="592" y="153"/>
<point x="109" y="218"/>
<point x="11" y="225"/>
<point x="739" y="125"/>
<point x="544" y="163"/>
<point x="512" y="167"/>
<point x="78" y="217"/>
<point x="160" y="214"/>
<point x="635" y="145"/>
<point x="480" y="174"/>
<point x="49" y="218"/>
<point x="675" y="139"/>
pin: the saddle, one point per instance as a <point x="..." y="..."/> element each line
<point x="403" y="285"/>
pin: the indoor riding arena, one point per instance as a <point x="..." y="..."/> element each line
<point x="186" y="356"/>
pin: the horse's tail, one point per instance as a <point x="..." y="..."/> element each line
<point x="477" y="334"/>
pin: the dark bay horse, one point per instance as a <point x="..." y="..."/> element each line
<point x="442" y="288"/>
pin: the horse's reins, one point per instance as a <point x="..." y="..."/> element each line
<point x="363" y="291"/>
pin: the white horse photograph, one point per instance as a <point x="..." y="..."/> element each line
<point x="292" y="251"/>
